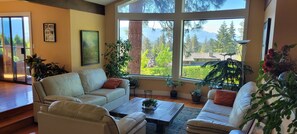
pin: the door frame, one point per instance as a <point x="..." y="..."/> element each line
<point x="22" y="14"/>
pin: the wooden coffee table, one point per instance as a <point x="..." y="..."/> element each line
<point x="163" y="115"/>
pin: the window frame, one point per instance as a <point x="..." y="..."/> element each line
<point x="178" y="17"/>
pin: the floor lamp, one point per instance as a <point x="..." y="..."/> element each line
<point x="243" y="43"/>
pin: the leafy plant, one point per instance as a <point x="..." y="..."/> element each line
<point x="173" y="83"/>
<point x="282" y="94"/>
<point x="117" y="57"/>
<point x="42" y="70"/>
<point x="150" y="102"/>
<point x="276" y="96"/>
<point x="197" y="91"/>
<point x="226" y="74"/>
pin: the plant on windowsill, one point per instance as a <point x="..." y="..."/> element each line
<point x="40" y="70"/>
<point x="173" y="84"/>
<point x="149" y="103"/>
<point x="275" y="99"/>
<point x="196" y="93"/>
<point x="117" y="58"/>
<point x="226" y="74"/>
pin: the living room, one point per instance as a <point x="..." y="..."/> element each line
<point x="66" y="49"/>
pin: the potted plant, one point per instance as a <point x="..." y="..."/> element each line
<point x="40" y="70"/>
<point x="196" y="93"/>
<point x="275" y="100"/>
<point x="173" y="84"/>
<point x="117" y="58"/>
<point x="226" y="74"/>
<point x="149" y="103"/>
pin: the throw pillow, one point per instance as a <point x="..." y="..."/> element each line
<point x="112" y="83"/>
<point x="223" y="97"/>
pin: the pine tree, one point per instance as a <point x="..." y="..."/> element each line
<point x="195" y="44"/>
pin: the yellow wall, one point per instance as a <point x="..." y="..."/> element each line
<point x="285" y="24"/>
<point x="85" y="21"/>
<point x="52" y="52"/>
<point x="255" y="34"/>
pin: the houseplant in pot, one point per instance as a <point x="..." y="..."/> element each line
<point x="117" y="58"/>
<point x="149" y="104"/>
<point x="39" y="69"/>
<point x="275" y="100"/>
<point x="196" y="93"/>
<point x="173" y="84"/>
<point x="226" y="74"/>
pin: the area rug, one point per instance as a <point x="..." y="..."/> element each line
<point x="179" y="124"/>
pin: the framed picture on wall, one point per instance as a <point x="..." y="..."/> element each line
<point x="89" y="47"/>
<point x="265" y="41"/>
<point x="49" y="32"/>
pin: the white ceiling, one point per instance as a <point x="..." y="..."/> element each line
<point x="101" y="2"/>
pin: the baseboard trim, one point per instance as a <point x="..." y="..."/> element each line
<point x="166" y="93"/>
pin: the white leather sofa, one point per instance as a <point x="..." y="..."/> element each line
<point x="68" y="117"/>
<point x="218" y="119"/>
<point x="83" y="87"/>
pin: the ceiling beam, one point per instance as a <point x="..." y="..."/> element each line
<point x="73" y="4"/>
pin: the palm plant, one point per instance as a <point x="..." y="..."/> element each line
<point x="226" y="74"/>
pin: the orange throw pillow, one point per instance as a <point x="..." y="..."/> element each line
<point x="112" y="83"/>
<point x="225" y="98"/>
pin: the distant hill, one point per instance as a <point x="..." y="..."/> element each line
<point x="153" y="34"/>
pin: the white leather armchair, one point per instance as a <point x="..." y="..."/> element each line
<point x="68" y="117"/>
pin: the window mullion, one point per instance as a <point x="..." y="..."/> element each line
<point x="177" y="40"/>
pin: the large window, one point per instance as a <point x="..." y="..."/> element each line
<point x="175" y="37"/>
<point x="214" y="40"/>
<point x="147" y="6"/>
<point x="152" y="55"/>
<point x="213" y="5"/>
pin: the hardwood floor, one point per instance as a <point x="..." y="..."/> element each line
<point x="16" y="95"/>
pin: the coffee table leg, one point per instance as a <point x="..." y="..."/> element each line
<point x="160" y="128"/>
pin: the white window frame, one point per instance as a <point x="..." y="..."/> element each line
<point x="178" y="17"/>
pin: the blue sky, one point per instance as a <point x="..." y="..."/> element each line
<point x="16" y="27"/>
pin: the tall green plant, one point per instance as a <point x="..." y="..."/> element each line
<point x="226" y="74"/>
<point x="117" y="57"/>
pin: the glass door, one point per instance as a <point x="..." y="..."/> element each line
<point x="14" y="46"/>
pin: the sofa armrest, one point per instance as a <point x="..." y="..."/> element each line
<point x="205" y="125"/>
<point x="211" y="94"/>
<point x="126" y="85"/>
<point x="51" y="98"/>
<point x="130" y="121"/>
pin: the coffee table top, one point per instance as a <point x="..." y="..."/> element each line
<point x="164" y="113"/>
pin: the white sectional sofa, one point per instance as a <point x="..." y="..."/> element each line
<point x="218" y="119"/>
<point x="84" y="87"/>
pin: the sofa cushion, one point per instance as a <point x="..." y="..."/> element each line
<point x="224" y="97"/>
<point x="109" y="94"/>
<point x="112" y="83"/>
<point x="210" y="122"/>
<point x="64" y="85"/>
<point x="51" y="98"/>
<point x="92" y="79"/>
<point x="93" y="99"/>
<point x="242" y="103"/>
<point x="77" y="110"/>
<point x="216" y="109"/>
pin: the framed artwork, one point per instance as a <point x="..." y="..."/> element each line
<point x="89" y="47"/>
<point x="265" y="41"/>
<point x="49" y="32"/>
